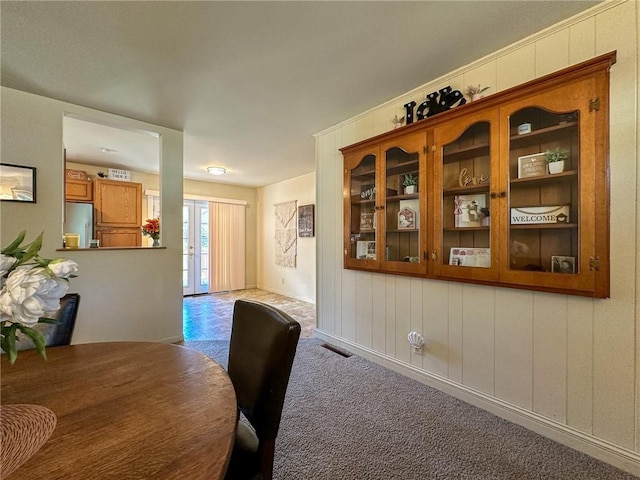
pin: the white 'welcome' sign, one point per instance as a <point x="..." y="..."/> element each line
<point x="533" y="215"/>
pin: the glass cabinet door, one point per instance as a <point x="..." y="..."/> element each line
<point x="360" y="210"/>
<point x="465" y="245"/>
<point x="544" y="194"/>
<point x="404" y="205"/>
<point x="553" y="154"/>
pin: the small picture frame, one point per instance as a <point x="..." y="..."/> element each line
<point x="17" y="183"/>
<point x="366" y="250"/>
<point x="306" y="220"/>
<point x="406" y="219"/>
<point x="470" y="257"/>
<point x="468" y="210"/>
<point x="563" y="264"/>
<point x="532" y="165"/>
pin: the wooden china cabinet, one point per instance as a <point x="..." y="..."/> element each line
<point x="487" y="209"/>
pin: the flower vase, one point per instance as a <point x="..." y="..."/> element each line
<point x="476" y="96"/>
<point x="410" y="190"/>
<point x="156" y="242"/>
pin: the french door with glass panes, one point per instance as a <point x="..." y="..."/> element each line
<point x="195" y="247"/>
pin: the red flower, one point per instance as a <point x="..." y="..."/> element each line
<point x="152" y="228"/>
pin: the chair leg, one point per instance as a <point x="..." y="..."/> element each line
<point x="267" y="450"/>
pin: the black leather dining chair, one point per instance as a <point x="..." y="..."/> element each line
<point x="261" y="352"/>
<point x="56" y="334"/>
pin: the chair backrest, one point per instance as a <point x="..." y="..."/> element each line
<point x="59" y="333"/>
<point x="263" y="345"/>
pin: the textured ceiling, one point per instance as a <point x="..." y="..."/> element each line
<point x="249" y="83"/>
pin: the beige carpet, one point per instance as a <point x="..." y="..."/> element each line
<point x="351" y="419"/>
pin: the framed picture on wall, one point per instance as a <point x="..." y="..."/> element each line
<point x="17" y="183"/>
<point x="306" y="221"/>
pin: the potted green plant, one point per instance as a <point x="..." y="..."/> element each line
<point x="410" y="183"/>
<point x="475" y="92"/>
<point x="555" y="159"/>
<point x="397" y="121"/>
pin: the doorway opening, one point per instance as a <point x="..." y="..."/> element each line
<point x="195" y="247"/>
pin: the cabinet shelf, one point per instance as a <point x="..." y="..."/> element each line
<point x="362" y="202"/>
<point x="545" y="226"/>
<point x="544" y="179"/>
<point x="397" y="198"/>
<point x="479" y="150"/>
<point x="462" y="190"/>
<point x="403" y="168"/>
<point x="536" y="135"/>
<point x="465" y="229"/>
<point x="404" y="230"/>
<point x="366" y="176"/>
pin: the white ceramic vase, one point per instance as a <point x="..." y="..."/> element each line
<point x="410" y="189"/>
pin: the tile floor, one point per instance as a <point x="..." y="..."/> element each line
<point x="208" y="317"/>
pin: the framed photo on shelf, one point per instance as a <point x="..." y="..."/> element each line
<point x="562" y="264"/>
<point x="406" y="219"/>
<point x="467" y="210"/>
<point x="532" y="165"/>
<point x="367" y="221"/>
<point x="470" y="257"/>
<point x="366" y="250"/>
<point x="409" y="219"/>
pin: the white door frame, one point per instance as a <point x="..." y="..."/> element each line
<point x="195" y="279"/>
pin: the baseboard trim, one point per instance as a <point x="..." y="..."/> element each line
<point x="287" y="294"/>
<point x="176" y="339"/>
<point x="624" y="459"/>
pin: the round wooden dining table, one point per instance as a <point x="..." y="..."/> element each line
<point x="125" y="410"/>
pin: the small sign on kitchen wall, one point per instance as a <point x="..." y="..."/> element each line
<point x="117" y="174"/>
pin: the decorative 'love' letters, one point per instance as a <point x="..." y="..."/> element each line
<point x="432" y="106"/>
<point x="464" y="179"/>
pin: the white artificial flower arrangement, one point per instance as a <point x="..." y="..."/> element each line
<point x="31" y="289"/>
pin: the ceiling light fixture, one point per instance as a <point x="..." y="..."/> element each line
<point x="108" y="150"/>
<point x="216" y="170"/>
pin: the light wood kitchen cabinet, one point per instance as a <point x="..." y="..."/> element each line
<point x="78" y="187"/>
<point x="118" y="213"/>
<point x="488" y="210"/>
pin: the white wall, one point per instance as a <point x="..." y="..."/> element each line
<point x="568" y="367"/>
<point x="133" y="294"/>
<point x="299" y="282"/>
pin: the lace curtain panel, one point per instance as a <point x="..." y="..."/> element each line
<point x="286" y="234"/>
<point x="227" y="247"/>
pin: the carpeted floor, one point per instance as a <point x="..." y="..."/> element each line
<point x="351" y="419"/>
